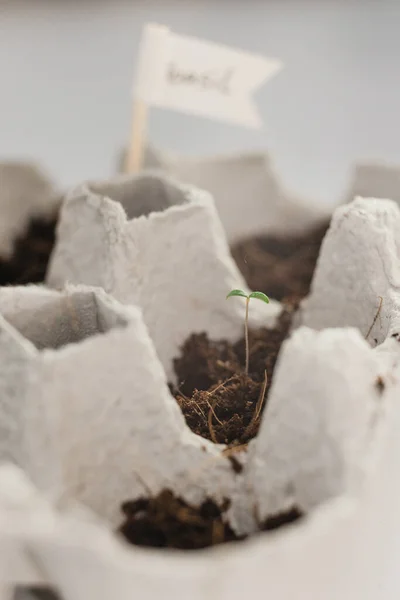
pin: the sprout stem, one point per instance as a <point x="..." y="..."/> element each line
<point x="246" y="334"/>
<point x="242" y="294"/>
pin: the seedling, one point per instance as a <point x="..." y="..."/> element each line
<point x="259" y="296"/>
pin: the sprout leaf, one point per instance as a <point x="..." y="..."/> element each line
<point x="237" y="293"/>
<point x="259" y="296"/>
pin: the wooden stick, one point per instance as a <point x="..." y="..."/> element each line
<point x="134" y="159"/>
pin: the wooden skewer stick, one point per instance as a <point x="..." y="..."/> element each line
<point x="134" y="159"/>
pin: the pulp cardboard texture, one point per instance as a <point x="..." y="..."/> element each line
<point x="161" y="246"/>
<point x="345" y="549"/>
<point x="328" y="442"/>
<point x="315" y="439"/>
<point x="245" y="180"/>
<point x="323" y="461"/>
<point x="17" y="496"/>
<point x="249" y="196"/>
<point x="25" y="193"/>
<point x="85" y="406"/>
<point x="250" y="181"/>
<point x="357" y="276"/>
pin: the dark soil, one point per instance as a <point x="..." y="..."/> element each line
<point x="281" y="519"/>
<point x="31" y="255"/>
<point x="168" y="522"/>
<point x="281" y="267"/>
<point x="218" y="400"/>
<point x="221" y="403"/>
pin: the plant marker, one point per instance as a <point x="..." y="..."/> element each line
<point x="196" y="77"/>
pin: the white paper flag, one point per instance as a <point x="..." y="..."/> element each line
<point x="198" y="77"/>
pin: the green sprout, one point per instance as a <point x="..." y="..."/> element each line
<point x="259" y="296"/>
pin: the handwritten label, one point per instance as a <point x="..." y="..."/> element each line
<point x="218" y="81"/>
<point x="198" y="77"/>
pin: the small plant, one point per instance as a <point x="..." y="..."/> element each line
<point x="259" y="296"/>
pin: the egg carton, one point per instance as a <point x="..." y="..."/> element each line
<point x="251" y="197"/>
<point x="327" y="443"/>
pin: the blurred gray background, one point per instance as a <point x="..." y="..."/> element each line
<point x="67" y="68"/>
